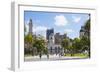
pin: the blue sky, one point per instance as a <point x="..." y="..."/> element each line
<point x="69" y="23"/>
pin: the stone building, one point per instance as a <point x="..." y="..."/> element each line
<point x="54" y="42"/>
<point x="84" y="32"/>
<point x="30" y="26"/>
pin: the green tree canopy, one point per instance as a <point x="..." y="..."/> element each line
<point x="39" y="44"/>
<point x="76" y="45"/>
<point x="65" y="44"/>
<point x="87" y="25"/>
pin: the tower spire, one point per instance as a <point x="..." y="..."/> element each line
<point x="30" y="26"/>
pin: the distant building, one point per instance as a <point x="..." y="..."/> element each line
<point x="84" y="32"/>
<point x="59" y="38"/>
<point x="49" y="32"/>
<point x="54" y="42"/>
<point x="50" y="40"/>
<point x="30" y="26"/>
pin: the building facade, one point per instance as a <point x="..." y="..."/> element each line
<point x="54" y="42"/>
<point x="49" y="32"/>
<point x="59" y="38"/>
<point x="30" y="26"/>
<point x="84" y="32"/>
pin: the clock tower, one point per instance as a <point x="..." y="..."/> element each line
<point x="30" y="26"/>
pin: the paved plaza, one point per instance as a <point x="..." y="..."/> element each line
<point x="51" y="58"/>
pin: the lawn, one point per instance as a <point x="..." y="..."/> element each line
<point x="81" y="55"/>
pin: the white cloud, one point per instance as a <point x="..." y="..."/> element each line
<point x="76" y="19"/>
<point x="36" y="29"/>
<point x="26" y="26"/>
<point x="69" y="30"/>
<point x="27" y="29"/>
<point x="40" y="30"/>
<point x="60" y="20"/>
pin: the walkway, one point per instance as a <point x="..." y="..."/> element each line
<point x="51" y="57"/>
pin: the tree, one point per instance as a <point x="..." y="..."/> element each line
<point x="71" y="50"/>
<point x="87" y="25"/>
<point x="24" y="28"/>
<point x="76" y="45"/>
<point x="87" y="28"/>
<point x="40" y="45"/>
<point x="65" y="44"/>
<point x="28" y="39"/>
<point x="85" y="41"/>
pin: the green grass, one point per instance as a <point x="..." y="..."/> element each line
<point x="67" y="55"/>
<point x="27" y="55"/>
<point x="81" y="55"/>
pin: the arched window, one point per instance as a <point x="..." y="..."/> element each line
<point x="51" y="38"/>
